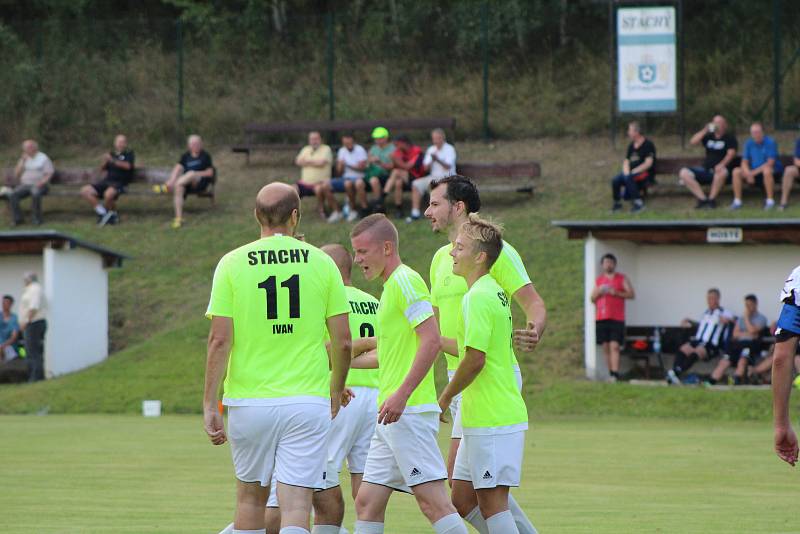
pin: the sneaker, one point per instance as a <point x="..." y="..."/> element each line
<point x="783" y="207"/>
<point x="177" y="222"/>
<point x="398" y="213"/>
<point x="114" y="218"/>
<point x="412" y="218"/>
<point x="334" y="217"/>
<point x="672" y="378"/>
<point x="616" y="206"/>
<point x="711" y="204"/>
<point x="106" y="218"/>
<point x="352" y="216"/>
<point x="637" y="207"/>
<point x="701" y="204"/>
<point x="769" y="204"/>
<point x="735" y="205"/>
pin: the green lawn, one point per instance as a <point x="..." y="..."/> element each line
<point x="104" y="473"/>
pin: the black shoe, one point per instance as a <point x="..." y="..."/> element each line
<point x="701" y="204"/>
<point x="711" y="204"/>
<point x="114" y="218"/>
<point x="106" y="218"/>
<point x="398" y="214"/>
<point x="637" y="207"/>
<point x="616" y="206"/>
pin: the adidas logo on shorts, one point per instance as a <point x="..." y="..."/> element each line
<point x="487" y="475"/>
<point x="415" y="472"/>
<point x="324" y="474"/>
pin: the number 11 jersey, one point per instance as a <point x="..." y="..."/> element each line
<point x="279" y="291"/>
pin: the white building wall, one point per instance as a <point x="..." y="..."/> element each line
<point x="12" y="268"/>
<point x="76" y="288"/>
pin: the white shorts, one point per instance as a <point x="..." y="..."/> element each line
<point x="289" y="441"/>
<point x="491" y="460"/>
<point x="422" y="184"/>
<point x="458" y="430"/>
<point x="351" y="433"/>
<point x="406" y="453"/>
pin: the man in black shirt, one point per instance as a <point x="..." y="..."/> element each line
<point x="193" y="173"/>
<point x="720" y="148"/>
<point x="638" y="168"/>
<point x="118" y="168"/>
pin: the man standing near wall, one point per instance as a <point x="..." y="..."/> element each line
<point x="610" y="291"/>
<point x="32" y="312"/>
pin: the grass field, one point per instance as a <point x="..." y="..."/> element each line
<point x="99" y="473"/>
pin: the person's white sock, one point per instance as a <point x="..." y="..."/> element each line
<point x="769" y="202"/>
<point x="477" y="521"/>
<point x="737" y="202"/>
<point x="502" y="523"/>
<point x="524" y="524"/>
<point x="256" y="531"/>
<point x="326" y="529"/>
<point x="227" y="530"/>
<point x="343" y="530"/>
<point x="450" y="524"/>
<point x="292" y="530"/>
<point x="415" y="213"/>
<point x="100" y="209"/>
<point x="368" y="527"/>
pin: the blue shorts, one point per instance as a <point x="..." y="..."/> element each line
<point x="702" y="175"/>
<point x="788" y="322"/>
<point x="337" y="184"/>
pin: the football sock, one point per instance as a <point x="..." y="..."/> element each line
<point x="256" y="531"/>
<point x="450" y="524"/>
<point x="227" y="530"/>
<point x="368" y="527"/>
<point x="524" y="524"/>
<point x="690" y="361"/>
<point x="477" y="521"/>
<point x="326" y="529"/>
<point x="100" y="209"/>
<point x="680" y="363"/>
<point x="502" y="523"/>
<point x="292" y="530"/>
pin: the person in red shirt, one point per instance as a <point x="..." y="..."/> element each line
<point x="610" y="291"/>
<point x="408" y="166"/>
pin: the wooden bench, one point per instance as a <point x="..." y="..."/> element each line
<point x="501" y="177"/>
<point x="671" y="166"/>
<point x="254" y="133"/>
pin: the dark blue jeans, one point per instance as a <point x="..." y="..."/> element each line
<point x="629" y="183"/>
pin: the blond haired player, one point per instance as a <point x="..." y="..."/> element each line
<point x="271" y="303"/>
<point x="493" y="413"/>
<point x="404" y="454"/>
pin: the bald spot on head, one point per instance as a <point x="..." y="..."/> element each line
<point x="275" y="204"/>
<point x="377" y="227"/>
<point x="341" y="257"/>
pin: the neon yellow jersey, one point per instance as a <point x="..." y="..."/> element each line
<point x="404" y="305"/>
<point x="363" y="323"/>
<point x="493" y="398"/>
<point x="279" y="292"/>
<point x="448" y="289"/>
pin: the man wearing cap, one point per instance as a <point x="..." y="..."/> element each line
<point x="379" y="162"/>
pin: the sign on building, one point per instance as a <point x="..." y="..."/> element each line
<point x="646" y="59"/>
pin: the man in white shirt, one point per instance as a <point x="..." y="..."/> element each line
<point x="33" y="323"/>
<point x="351" y="160"/>
<point x="33" y="172"/>
<point x="440" y="161"/>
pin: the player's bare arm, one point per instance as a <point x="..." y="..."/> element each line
<point x="367" y="360"/>
<point x="535" y="311"/>
<point x="220" y="339"/>
<point x="364" y="344"/>
<point x="429" y="346"/>
<point x="468" y="369"/>
<point x="785" y="438"/>
<point x="340" y="354"/>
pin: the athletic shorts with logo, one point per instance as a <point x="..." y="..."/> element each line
<point x="491" y="457"/>
<point x="289" y="440"/>
<point x="406" y="453"/>
<point x="458" y="429"/>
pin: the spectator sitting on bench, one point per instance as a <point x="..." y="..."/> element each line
<point x="351" y="160"/>
<point x="637" y="169"/>
<point x="118" y="166"/>
<point x="193" y="173"/>
<point x="760" y="166"/>
<point x="720" y="148"/>
<point x="380" y="163"/>
<point x="789" y="174"/>
<point x="9" y="330"/>
<point x="33" y="171"/>
<point x="710" y="338"/>
<point x="439" y="161"/>
<point x="315" y="160"/>
<point x="745" y="345"/>
<point x="407" y="159"/>
<point x="610" y="291"/>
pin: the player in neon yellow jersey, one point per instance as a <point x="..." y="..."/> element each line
<point x="404" y="454"/>
<point x="452" y="199"/>
<point x="271" y="303"/>
<point x="493" y="413"/>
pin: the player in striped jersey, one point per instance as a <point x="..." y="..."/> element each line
<point x="786" y="336"/>
<point x="712" y="333"/>
<point x="452" y="199"/>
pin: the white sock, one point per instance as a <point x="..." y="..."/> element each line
<point x="737" y="202"/>
<point x="450" y="524"/>
<point x="415" y="213"/>
<point x="256" y="531"/>
<point x="325" y="529"/>
<point x="368" y="527"/>
<point x="502" y="523"/>
<point x="227" y="530"/>
<point x="100" y="209"/>
<point x="475" y="519"/>
<point x="343" y="530"/>
<point x="769" y="202"/>
<point x="291" y="530"/>
<point x="524" y="524"/>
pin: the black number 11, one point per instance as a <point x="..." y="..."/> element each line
<point x="293" y="285"/>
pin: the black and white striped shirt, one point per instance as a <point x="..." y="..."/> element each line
<point x="711" y="331"/>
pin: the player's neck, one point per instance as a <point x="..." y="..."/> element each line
<point x="392" y="263"/>
<point x="474" y="276"/>
<point x="278" y="230"/>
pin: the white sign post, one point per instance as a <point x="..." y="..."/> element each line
<point x="646" y="60"/>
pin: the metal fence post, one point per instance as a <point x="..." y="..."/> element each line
<point x="776" y="65"/>
<point x="485" y="46"/>
<point x="330" y="58"/>
<point x="179" y="36"/>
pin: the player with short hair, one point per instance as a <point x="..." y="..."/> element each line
<point x="493" y="413"/>
<point x="786" y="336"/>
<point x="404" y="454"/>
<point x="271" y="303"/>
<point x="452" y="199"/>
